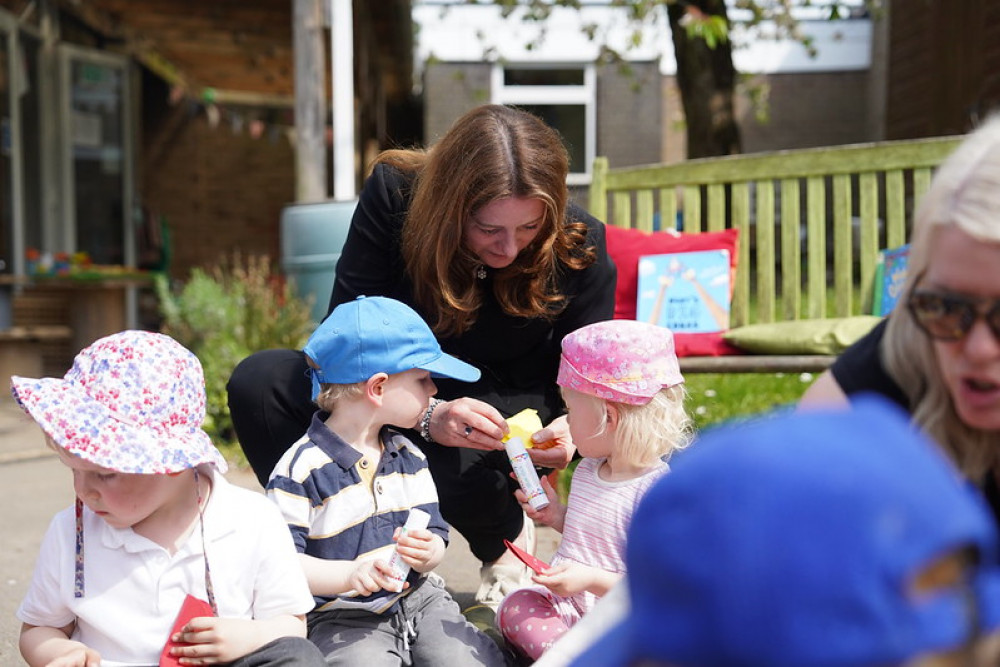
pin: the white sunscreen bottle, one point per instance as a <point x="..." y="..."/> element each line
<point x="527" y="476"/>
<point x="417" y="520"/>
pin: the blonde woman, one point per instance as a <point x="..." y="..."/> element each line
<point x="938" y="354"/>
<point x="477" y="235"/>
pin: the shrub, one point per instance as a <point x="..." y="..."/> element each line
<point x="225" y="314"/>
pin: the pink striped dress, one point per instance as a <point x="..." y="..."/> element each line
<point x="598" y="514"/>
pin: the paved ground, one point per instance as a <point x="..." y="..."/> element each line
<point x="34" y="486"/>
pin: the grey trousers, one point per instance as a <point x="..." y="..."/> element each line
<point x="427" y="629"/>
<point x="283" y="652"/>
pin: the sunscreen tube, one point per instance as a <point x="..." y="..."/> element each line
<point x="527" y="476"/>
<point x="417" y="520"/>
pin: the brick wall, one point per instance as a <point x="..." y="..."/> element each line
<point x="629" y="112"/>
<point x="451" y="89"/>
<point x="220" y="189"/>
<point x="806" y="110"/>
<point x="944" y="60"/>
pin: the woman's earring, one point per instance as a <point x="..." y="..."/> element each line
<point x="481" y="272"/>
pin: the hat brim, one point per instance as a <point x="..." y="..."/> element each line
<point x="447" y="366"/>
<point x="86" y="428"/>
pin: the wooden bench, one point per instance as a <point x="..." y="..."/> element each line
<point x="811" y="225"/>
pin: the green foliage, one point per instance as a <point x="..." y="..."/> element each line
<point x="712" y="28"/>
<point x="225" y="314"/>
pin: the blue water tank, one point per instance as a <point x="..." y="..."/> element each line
<point x="312" y="237"/>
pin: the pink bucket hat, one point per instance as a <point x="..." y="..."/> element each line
<point x="133" y="402"/>
<point x="619" y="360"/>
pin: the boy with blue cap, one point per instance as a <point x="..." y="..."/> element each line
<point x="347" y="487"/>
<point x="827" y="539"/>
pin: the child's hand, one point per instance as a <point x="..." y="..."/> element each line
<point x="553" y="445"/>
<point x="216" y="640"/>
<point x="570" y="578"/>
<point x="83" y="656"/>
<point x="370" y="576"/>
<point x="553" y="515"/>
<point x="420" y="549"/>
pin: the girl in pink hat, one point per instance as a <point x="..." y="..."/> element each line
<point x="152" y="512"/>
<point x="624" y="392"/>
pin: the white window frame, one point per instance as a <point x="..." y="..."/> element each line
<point x="584" y="95"/>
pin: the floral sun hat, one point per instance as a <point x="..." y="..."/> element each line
<point x="133" y="402"/>
<point x="619" y="360"/>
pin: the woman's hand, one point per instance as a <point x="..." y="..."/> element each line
<point x="468" y="422"/>
<point x="553" y="445"/>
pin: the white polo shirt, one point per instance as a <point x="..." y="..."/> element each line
<point x="134" y="587"/>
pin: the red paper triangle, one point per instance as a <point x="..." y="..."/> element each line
<point x="191" y="608"/>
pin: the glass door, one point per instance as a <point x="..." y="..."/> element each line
<point x="98" y="166"/>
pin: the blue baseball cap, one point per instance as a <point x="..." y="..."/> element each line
<point x="794" y="540"/>
<point x="377" y="335"/>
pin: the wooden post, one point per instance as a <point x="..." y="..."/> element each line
<point x="310" y="102"/>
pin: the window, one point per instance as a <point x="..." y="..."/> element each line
<point x="563" y="96"/>
<point x="20" y="145"/>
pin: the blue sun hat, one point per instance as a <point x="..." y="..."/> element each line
<point x="377" y="335"/>
<point x="795" y="540"/>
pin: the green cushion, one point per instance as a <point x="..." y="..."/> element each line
<point x="820" y="336"/>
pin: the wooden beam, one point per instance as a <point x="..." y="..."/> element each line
<point x="310" y="101"/>
<point x="142" y="47"/>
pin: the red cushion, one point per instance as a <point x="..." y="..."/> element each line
<point x="626" y="246"/>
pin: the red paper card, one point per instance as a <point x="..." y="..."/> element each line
<point x="192" y="608"/>
<point x="536" y="564"/>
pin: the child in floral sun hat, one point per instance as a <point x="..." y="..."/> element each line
<point x="152" y="512"/>
<point x="625" y="395"/>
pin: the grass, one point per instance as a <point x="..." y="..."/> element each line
<point x="714" y="398"/>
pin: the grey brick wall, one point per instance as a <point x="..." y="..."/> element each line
<point x="806" y="110"/>
<point x="629" y="114"/>
<point x="451" y="89"/>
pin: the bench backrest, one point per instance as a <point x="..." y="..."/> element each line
<point x="811" y="221"/>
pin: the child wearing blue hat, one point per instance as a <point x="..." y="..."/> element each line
<point x="347" y="487"/>
<point x="826" y="539"/>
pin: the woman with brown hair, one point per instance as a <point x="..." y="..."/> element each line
<point x="478" y="236"/>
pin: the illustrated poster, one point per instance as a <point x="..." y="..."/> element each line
<point x="687" y="292"/>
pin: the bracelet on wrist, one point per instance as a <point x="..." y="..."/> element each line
<point x="425" y="421"/>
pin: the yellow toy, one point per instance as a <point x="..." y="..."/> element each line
<point x="523" y="425"/>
